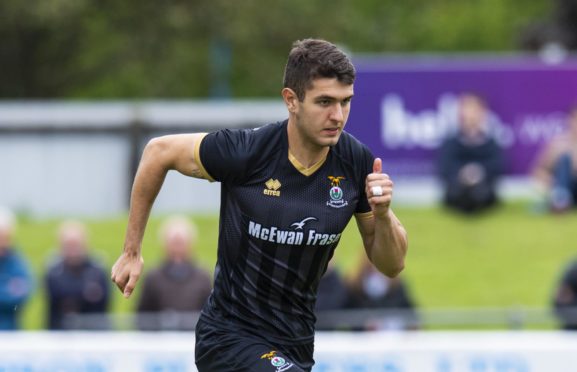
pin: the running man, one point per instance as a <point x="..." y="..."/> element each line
<point x="288" y="190"/>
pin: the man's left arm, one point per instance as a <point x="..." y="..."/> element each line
<point x="384" y="237"/>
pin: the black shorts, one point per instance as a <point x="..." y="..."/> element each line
<point x="219" y="350"/>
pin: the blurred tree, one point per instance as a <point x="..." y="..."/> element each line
<point x="558" y="27"/>
<point x="204" y="48"/>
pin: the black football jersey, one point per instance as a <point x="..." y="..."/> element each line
<point x="279" y="226"/>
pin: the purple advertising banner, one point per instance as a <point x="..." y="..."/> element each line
<point x="404" y="108"/>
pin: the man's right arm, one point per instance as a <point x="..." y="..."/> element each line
<point x="542" y="171"/>
<point x="161" y="154"/>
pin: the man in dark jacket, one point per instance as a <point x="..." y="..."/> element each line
<point x="470" y="161"/>
<point x="76" y="285"/>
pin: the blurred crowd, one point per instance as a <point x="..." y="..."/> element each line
<point x="78" y="289"/>
<point x="470" y="165"/>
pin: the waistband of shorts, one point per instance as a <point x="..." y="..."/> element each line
<point x="229" y="325"/>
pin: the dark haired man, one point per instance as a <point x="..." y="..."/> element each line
<point x="288" y="191"/>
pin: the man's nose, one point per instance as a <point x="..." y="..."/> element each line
<point x="337" y="112"/>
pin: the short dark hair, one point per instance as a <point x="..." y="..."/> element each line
<point x="310" y="59"/>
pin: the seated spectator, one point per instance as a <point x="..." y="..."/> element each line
<point x="370" y="289"/>
<point x="332" y="291"/>
<point x="76" y="285"/>
<point x="470" y="161"/>
<point x="332" y="294"/>
<point x="565" y="299"/>
<point x="174" y="293"/>
<point x="15" y="278"/>
<point x="556" y="168"/>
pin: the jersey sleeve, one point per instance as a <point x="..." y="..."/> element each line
<point x="366" y="165"/>
<point x="225" y="155"/>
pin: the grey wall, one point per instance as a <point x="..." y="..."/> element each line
<point x="77" y="159"/>
<point x="61" y="159"/>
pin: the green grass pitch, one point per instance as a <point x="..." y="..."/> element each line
<point x="509" y="257"/>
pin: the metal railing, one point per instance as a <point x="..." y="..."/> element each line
<point x="495" y="318"/>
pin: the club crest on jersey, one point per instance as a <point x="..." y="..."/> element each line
<point x="279" y="362"/>
<point x="272" y="187"/>
<point x="336" y="193"/>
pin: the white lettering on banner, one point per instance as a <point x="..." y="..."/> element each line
<point x="401" y="128"/>
<point x="426" y="129"/>
<point x="445" y="352"/>
<point x="415" y="351"/>
<point x="541" y="128"/>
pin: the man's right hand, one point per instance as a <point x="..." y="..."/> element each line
<point x="126" y="271"/>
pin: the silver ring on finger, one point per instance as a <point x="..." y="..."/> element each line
<point x="377" y="190"/>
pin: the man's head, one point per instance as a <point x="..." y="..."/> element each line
<point x="7" y="226"/>
<point x="310" y="59"/>
<point x="72" y="238"/>
<point x="318" y="91"/>
<point x="178" y="236"/>
<point x="472" y="114"/>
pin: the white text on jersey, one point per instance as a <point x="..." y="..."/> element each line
<point x="275" y="235"/>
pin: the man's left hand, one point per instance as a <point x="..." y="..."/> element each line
<point x="379" y="190"/>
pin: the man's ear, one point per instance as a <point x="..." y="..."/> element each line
<point x="290" y="99"/>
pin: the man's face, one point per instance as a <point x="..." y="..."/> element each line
<point x="323" y="113"/>
<point x="5" y="237"/>
<point x="472" y="115"/>
<point x="73" y="246"/>
<point x="177" y="244"/>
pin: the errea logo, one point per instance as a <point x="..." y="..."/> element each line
<point x="272" y="187"/>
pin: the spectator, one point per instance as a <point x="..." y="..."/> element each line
<point x="76" y="285"/>
<point x="565" y="299"/>
<point x="332" y="293"/>
<point x="556" y="168"/>
<point x="370" y="289"/>
<point x="470" y="161"/>
<point x="176" y="291"/>
<point x="15" y="278"/>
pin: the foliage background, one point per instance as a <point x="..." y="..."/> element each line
<point x="95" y="49"/>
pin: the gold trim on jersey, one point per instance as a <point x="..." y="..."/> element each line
<point x="301" y="168"/>
<point x="203" y="171"/>
<point x="365" y="215"/>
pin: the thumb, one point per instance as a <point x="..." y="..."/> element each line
<point x="377" y="165"/>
